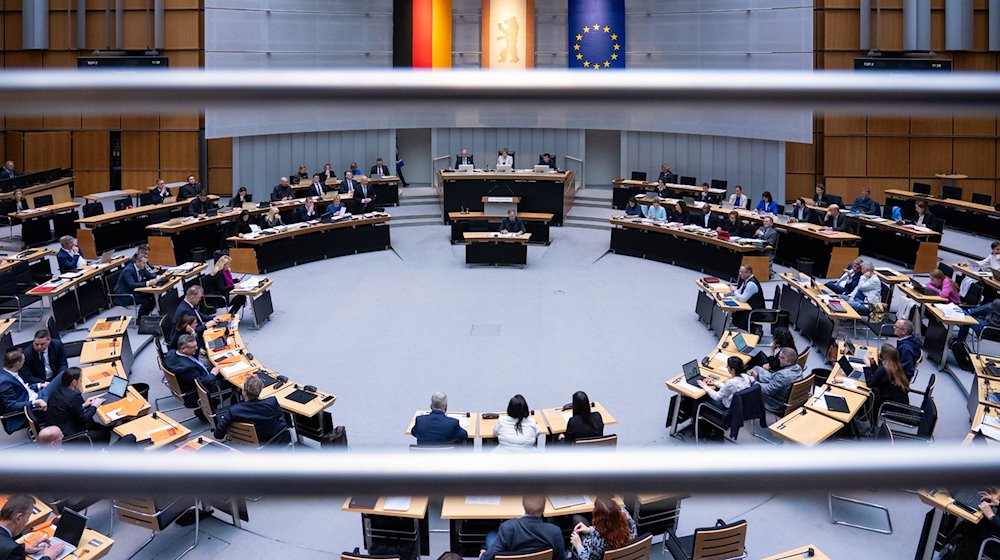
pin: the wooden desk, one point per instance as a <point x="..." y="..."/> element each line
<point x="123" y="193"/>
<point x="76" y="296"/>
<point x="40" y="226"/>
<point x="805" y="427"/>
<point x="6" y="340"/>
<point x="557" y="418"/>
<point x="939" y="327"/>
<point x="409" y="525"/>
<point x="109" y="327"/>
<point x="624" y="189"/>
<point x="913" y="246"/>
<point x="98" y="376"/>
<point x="158" y="428"/>
<point x="839" y="379"/>
<point x="550" y="193"/>
<point x="103" y="350"/>
<point x="981" y="219"/>
<point x="801" y="552"/>
<point x="713" y="308"/>
<point x="122" y="228"/>
<point x="309" y="409"/>
<point x="194" y="445"/>
<point x="855" y="401"/>
<point x="486" y="425"/>
<point x="810" y="312"/>
<point x="40" y="512"/>
<point x="258" y="300"/>
<point x="535" y="223"/>
<point x="679" y="385"/>
<point x="417" y="509"/>
<point x="60" y="189"/>
<point x="467" y="420"/>
<point x="459" y="507"/>
<point x="551" y="511"/>
<point x="495" y="248"/>
<point x="129" y="407"/>
<point x="991" y="287"/>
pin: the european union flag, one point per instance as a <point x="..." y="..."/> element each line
<point x="596" y="34"/>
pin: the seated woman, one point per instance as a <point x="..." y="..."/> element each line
<point x="943" y="286"/>
<point x="273" y="218"/>
<point x="20" y="201"/>
<point x="301" y="175"/>
<point x="781" y="337"/>
<point x="679" y="213"/>
<point x="661" y="189"/>
<point x="187" y="324"/>
<point x="632" y="209"/>
<point x="245" y="224"/>
<point x="733" y="226"/>
<point x="517" y="431"/>
<point x="221" y="278"/>
<point x="505" y="158"/>
<point x="584" y="423"/>
<point x="723" y="392"/>
<point x="888" y="381"/>
<point x="655" y="212"/>
<point x="241" y="198"/>
<point x="336" y="206"/>
<point x="612" y="528"/>
<point x="767" y="205"/>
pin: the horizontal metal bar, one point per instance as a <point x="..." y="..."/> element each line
<point x="747" y="469"/>
<point x="71" y="91"/>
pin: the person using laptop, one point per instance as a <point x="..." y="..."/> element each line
<point x="821" y="198"/>
<point x="777" y="384"/>
<point x="887" y="380"/>
<point x="72" y="413"/>
<point x="265" y="415"/>
<point x="766" y="204"/>
<point x="192" y="304"/>
<point x="136" y="275"/>
<point x="868" y="292"/>
<point x="848" y="280"/>
<point x="436" y="427"/>
<point x="14" y="516"/>
<point x="512" y="223"/>
<point x="380" y="169"/>
<point x="525" y="534"/>
<point x="722" y="393"/>
<point x="69" y="257"/>
<point x="505" y="158"/>
<point x="240" y="198"/>
<point x="200" y="205"/>
<point x="941" y="285"/>
<point x="738" y="199"/>
<point x="909" y="346"/>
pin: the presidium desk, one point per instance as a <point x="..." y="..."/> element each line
<point x="550" y="193"/>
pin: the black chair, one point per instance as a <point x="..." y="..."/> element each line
<point x="92" y="209"/>
<point x="122" y="203"/>
<point x="166" y="328"/>
<point x="44" y="200"/>
<point x="146" y="199"/>
<point x="980" y="198"/>
<point x="773" y="315"/>
<point x="947" y="270"/>
<point x="720" y="184"/>
<point x="921" y="188"/>
<point x="750" y="399"/>
<point x="718" y="542"/>
<point x="910" y="422"/>
<point x="690" y="181"/>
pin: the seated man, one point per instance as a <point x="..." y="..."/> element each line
<point x="547" y="159"/>
<point x="512" y="223"/>
<point x="15" y="393"/>
<point x="463" y="158"/>
<point x="136" y="275"/>
<point x="266" y="415"/>
<point x="282" y="191"/>
<point x="184" y="363"/>
<point x="189" y="189"/>
<point x="526" y="534"/>
<point x="777" y="384"/>
<point x="988" y="315"/>
<point x="317" y="188"/>
<point x="68" y="409"/>
<point x="160" y="192"/>
<point x="909" y="346"/>
<point x="200" y="205"/>
<point x="834" y="219"/>
<point x="191" y="304"/>
<point x="436" y="427"/>
<point x="69" y="256"/>
<point x="848" y="280"/>
<point x="866" y="204"/>
<point x="748" y="290"/>
<point x="14" y="518"/>
<point x="45" y="358"/>
<point x="308" y="211"/>
<point x="380" y="169"/>
<point x="769" y="234"/>
<point x="348" y="185"/>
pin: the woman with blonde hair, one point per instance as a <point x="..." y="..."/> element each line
<point x="273" y="218"/>
<point x="220" y="280"/>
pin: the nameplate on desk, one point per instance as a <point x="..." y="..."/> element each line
<point x="499" y="199"/>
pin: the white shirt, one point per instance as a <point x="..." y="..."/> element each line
<point x="505" y="160"/>
<point x="506" y="432"/>
<point x="31" y="394"/>
<point x="991" y="261"/>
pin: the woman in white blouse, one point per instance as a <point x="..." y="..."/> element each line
<point x="517" y="431"/>
<point x="505" y="158"/>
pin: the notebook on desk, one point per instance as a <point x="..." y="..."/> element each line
<point x="836" y="403"/>
<point x="301" y="397"/>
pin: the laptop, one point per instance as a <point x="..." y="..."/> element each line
<point x="966" y="498"/>
<point x="836" y="403"/>
<point x="917" y="286"/>
<point x="466" y="168"/>
<point x="741" y="343"/>
<point x="68" y="533"/>
<point x="638" y="176"/>
<point x="692" y="373"/>
<point x="117" y="389"/>
<point x="688" y="201"/>
<point x="542" y="169"/>
<point x="504" y="168"/>
<point x="847" y="366"/>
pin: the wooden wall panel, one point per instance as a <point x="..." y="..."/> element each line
<point x="927" y="126"/>
<point x="179" y="150"/>
<point x="973" y="126"/>
<point x="14" y="148"/>
<point x="140" y="122"/>
<point x="140" y="150"/>
<point x="975" y="157"/>
<point x="982" y="186"/>
<point x="65" y="122"/>
<point x="888" y="157"/>
<point x="87" y="182"/>
<point x="186" y="26"/>
<point x="841" y="30"/>
<point x="220" y="181"/>
<point x="21" y="122"/>
<point x="45" y="150"/>
<point x="799" y="158"/>
<point x="850" y="187"/>
<point x="179" y="122"/>
<point x="797" y="185"/>
<point x="845" y="156"/>
<point x="139" y="180"/>
<point x="845" y="125"/>
<point x="929" y="156"/>
<point x="101" y="122"/>
<point x="888" y="125"/>
<point x="91" y="150"/>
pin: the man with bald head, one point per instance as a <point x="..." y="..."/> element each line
<point x="282" y="191"/>
<point x="526" y="534"/>
<point x="834" y="219"/>
<point x="777" y="384"/>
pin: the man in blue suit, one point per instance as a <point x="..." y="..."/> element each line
<point x="191" y="305"/>
<point x="184" y="363"/>
<point x="437" y="428"/>
<point x="15" y="392"/>
<point x="464" y="158"/>
<point x="265" y="415"/>
<point x="45" y="358"/>
<point x="526" y="534"/>
<point x="136" y="275"/>
<point x="69" y="256"/>
<point x="909" y="346"/>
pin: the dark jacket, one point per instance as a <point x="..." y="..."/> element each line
<point x="314" y="192"/>
<point x="156" y="197"/>
<point x="733" y="229"/>
<point x="266" y="415"/>
<point x="437" y="428"/>
<point x="65" y="409"/>
<point x="527" y="534"/>
<point x="67" y="260"/>
<point x="379" y="170"/>
<point x="878" y="380"/>
<point x="188" y="190"/>
<point x="805" y="214"/>
<point x="930" y="221"/>
<point x="196" y="207"/>
<point x="667" y="177"/>
<point x="34" y="367"/>
<point x="514" y="226"/>
<point x="187" y="372"/>
<point x="13" y="397"/>
<point x="348" y="186"/>
<point x="304" y="214"/>
<point x="280" y="192"/>
<point x="909" y="352"/>
<point x="10" y="549"/>
<point x="236" y="203"/>
<point x="712" y="220"/>
<point x="184" y="308"/>
<point x="467" y="160"/>
<point x="838" y="224"/>
<point x="129" y="280"/>
<point x="576" y="429"/>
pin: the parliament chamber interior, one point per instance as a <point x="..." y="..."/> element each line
<point x="419" y="278"/>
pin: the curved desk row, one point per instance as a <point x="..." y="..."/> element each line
<point x="624" y="189"/>
<point x="124" y="228"/>
<point x="981" y="219"/>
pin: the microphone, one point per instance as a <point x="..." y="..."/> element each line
<point x="808" y="553"/>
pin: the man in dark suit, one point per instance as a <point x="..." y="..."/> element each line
<point x="512" y="223"/>
<point x="69" y="257"/>
<point x="547" y="159"/>
<point x="45" y="358"/>
<point x="708" y="219"/>
<point x="189" y="189"/>
<point x="437" y="428"/>
<point x="834" y="219"/>
<point x="802" y="213"/>
<point x="184" y="363"/>
<point x="317" y="188"/>
<point x="68" y="409"/>
<point x="8" y="171"/>
<point x="266" y="415"/>
<point x="136" y="275"/>
<point x="464" y="158"/>
<point x="380" y="169"/>
<point x="200" y="205"/>
<point x="526" y="534"/>
<point x="159" y="192"/>
<point x="364" y="196"/>
<point x="704" y="195"/>
<point x="909" y="346"/>
<point x="15" y="392"/>
<point x="191" y="304"/>
<point x="327" y="173"/>
<point x="14" y="518"/>
<point x="308" y="211"/>
<point x="348" y="184"/>
<point x="282" y="191"/>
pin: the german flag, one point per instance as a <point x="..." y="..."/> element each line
<point x="421" y="36"/>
